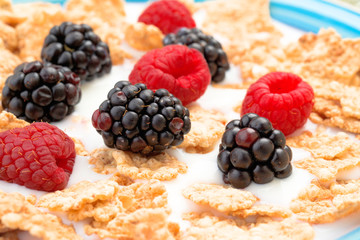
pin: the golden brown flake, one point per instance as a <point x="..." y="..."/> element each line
<point x="143" y="37"/>
<point x="321" y="204"/>
<point x="224" y="199"/>
<point x="331" y="154"/>
<point x="9" y="121"/>
<point x="207" y="227"/>
<point x="162" y="166"/>
<point x="79" y="147"/>
<point x="321" y="145"/>
<point x="142" y="224"/>
<point x="8" y="35"/>
<point x="17" y="213"/>
<point x="8" y="63"/>
<point x="32" y="32"/>
<point x="263" y="211"/>
<point x="103" y="160"/>
<point x="207" y="127"/>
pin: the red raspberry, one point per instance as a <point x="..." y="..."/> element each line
<point x="283" y="98"/>
<point x="181" y="70"/>
<point x="168" y="16"/>
<point x="39" y="156"/>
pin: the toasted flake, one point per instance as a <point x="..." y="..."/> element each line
<point x="8" y="63"/>
<point x="224" y="199"/>
<point x="80" y="148"/>
<point x="143" y="37"/>
<point x="76" y="196"/>
<point x="9" y="121"/>
<point x="162" y="166"/>
<point x="263" y="211"/>
<point x="109" y="11"/>
<point x="8" y="35"/>
<point x="143" y="224"/>
<point x="103" y="160"/>
<point x="324" y="204"/>
<point x="207" y="227"/>
<point x="32" y="32"/>
<point x="207" y="127"/>
<point x="321" y="145"/>
<point x="17" y="213"/>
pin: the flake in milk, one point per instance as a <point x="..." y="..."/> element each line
<point x="324" y="204"/>
<point x="263" y="210"/>
<point x="142" y="224"/>
<point x="207" y="127"/>
<point x="8" y="35"/>
<point x="224" y="199"/>
<point x="17" y="213"/>
<point x="103" y="160"/>
<point x="143" y="37"/>
<point x="8" y="62"/>
<point x="9" y="121"/>
<point x="162" y="166"/>
<point x="331" y="154"/>
<point x="79" y="147"/>
<point x="206" y="226"/>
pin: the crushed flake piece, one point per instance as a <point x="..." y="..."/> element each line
<point x="143" y="37"/>
<point x="320" y="144"/>
<point x="324" y="204"/>
<point x="103" y="160"/>
<point x="207" y="127"/>
<point x="224" y="199"/>
<point x="9" y="121"/>
<point x="331" y="154"/>
<point x="79" y="147"/>
<point x="8" y="35"/>
<point x="264" y="211"/>
<point x="208" y="227"/>
<point x="142" y="224"/>
<point x="32" y="32"/>
<point x="161" y="166"/>
<point x="17" y="213"/>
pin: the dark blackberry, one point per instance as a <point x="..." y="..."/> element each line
<point x="41" y="93"/>
<point x="251" y="150"/>
<point x="77" y="47"/>
<point x="137" y="119"/>
<point x="207" y="45"/>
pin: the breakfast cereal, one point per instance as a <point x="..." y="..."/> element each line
<point x="9" y="121"/>
<point x="16" y="213"/>
<point x="323" y="204"/>
<point x="207" y="127"/>
<point x="143" y="37"/>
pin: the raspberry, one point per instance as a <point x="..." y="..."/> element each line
<point x="137" y="119"/>
<point x="283" y="98"/>
<point x="251" y="150"/>
<point x="39" y="156"/>
<point x="167" y="15"/>
<point x="41" y="93"/>
<point x="177" y="68"/>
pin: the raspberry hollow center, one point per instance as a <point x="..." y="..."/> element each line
<point x="283" y="83"/>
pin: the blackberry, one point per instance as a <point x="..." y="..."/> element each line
<point x="251" y="150"/>
<point x="137" y="119"/>
<point x="77" y="47"/>
<point x="41" y="93"/>
<point x="207" y="45"/>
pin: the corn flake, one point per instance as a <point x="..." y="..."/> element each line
<point x="9" y="121"/>
<point x="9" y="236"/>
<point x="224" y="199"/>
<point x="17" y="213"/>
<point x="161" y="166"/>
<point x="143" y="37"/>
<point x="321" y="204"/>
<point x="263" y="210"/>
<point x="207" y="127"/>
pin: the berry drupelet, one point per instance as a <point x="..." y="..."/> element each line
<point x="251" y="150"/>
<point x="41" y="93"/>
<point x="207" y="45"/>
<point x="77" y="47"/>
<point x="140" y="120"/>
